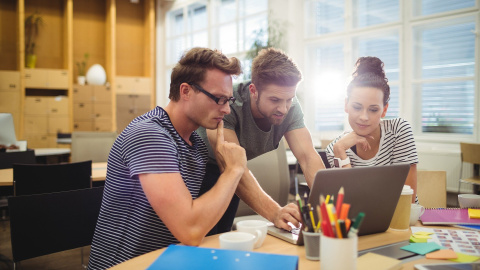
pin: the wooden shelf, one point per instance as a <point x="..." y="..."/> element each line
<point x="117" y="34"/>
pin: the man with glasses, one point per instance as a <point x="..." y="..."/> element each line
<point x="156" y="166"/>
<point x="265" y="110"/>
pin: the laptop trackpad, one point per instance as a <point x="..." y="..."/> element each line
<point x="392" y="250"/>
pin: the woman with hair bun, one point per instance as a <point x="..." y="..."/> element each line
<point x="373" y="141"/>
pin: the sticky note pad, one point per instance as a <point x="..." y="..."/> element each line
<point x="473" y="213"/>
<point x="442" y="254"/>
<point x="463" y="258"/>
<point x="422" y="236"/>
<point x="413" y="239"/>
<point x="423" y="233"/>
<point x="422" y="248"/>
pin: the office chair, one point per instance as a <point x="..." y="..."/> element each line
<point x="46" y="223"/>
<point x="47" y="178"/>
<point x="469" y="153"/>
<point x="94" y="146"/>
<point x="7" y="159"/>
<point x="271" y="171"/>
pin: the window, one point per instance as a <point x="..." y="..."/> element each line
<point x="429" y="56"/>
<point x="227" y="25"/>
<point x="444" y="76"/>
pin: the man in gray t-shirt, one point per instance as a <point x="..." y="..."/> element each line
<point x="265" y="110"/>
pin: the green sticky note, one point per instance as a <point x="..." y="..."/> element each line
<point x="422" y="248"/>
<point x="464" y="258"/>
<point x="413" y="239"/>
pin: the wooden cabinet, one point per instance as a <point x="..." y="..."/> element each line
<point x="117" y="34"/>
<point x="129" y="107"/>
<point x="92" y="108"/>
<point x="46" y="78"/>
<point x="10" y="96"/>
<point x="45" y="117"/>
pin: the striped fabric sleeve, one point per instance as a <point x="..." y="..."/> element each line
<point x="149" y="149"/>
<point x="404" y="150"/>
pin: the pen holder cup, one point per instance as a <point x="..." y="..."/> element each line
<point x="338" y="253"/>
<point x="312" y="245"/>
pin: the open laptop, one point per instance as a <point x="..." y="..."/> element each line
<point x="372" y="190"/>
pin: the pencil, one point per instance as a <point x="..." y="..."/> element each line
<point x="340" y="195"/>
<point x="326" y="225"/>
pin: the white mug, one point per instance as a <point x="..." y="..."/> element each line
<point x="256" y="227"/>
<point x="415" y="213"/>
<point x="237" y="240"/>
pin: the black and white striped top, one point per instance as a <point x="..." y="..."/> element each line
<point x="127" y="225"/>
<point x="397" y="146"/>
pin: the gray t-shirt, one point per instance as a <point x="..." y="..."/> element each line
<point x="255" y="141"/>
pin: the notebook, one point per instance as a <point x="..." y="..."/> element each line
<point x="187" y="257"/>
<point x="452" y="216"/>
<point x="372" y="190"/>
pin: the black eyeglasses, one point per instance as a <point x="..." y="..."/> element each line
<point x="219" y="101"/>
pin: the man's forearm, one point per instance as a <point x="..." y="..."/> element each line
<point x="254" y="196"/>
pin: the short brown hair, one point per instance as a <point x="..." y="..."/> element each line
<point x="194" y="64"/>
<point x="274" y="66"/>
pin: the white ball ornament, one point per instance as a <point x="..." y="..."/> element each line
<point x="96" y="75"/>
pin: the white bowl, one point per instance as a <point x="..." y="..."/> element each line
<point x="468" y="200"/>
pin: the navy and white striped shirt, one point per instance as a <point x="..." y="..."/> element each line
<point x="397" y="146"/>
<point x="127" y="225"/>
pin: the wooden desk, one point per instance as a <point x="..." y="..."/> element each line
<point x="277" y="246"/>
<point x="52" y="155"/>
<point x="99" y="173"/>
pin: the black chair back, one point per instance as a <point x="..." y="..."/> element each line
<point x="47" y="178"/>
<point x="42" y="224"/>
<point x="7" y="159"/>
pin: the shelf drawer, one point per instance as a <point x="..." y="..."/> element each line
<point x="9" y="80"/>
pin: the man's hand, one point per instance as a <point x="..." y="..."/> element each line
<point x="289" y="213"/>
<point x="229" y="155"/>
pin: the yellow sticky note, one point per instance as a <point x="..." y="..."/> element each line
<point x="473" y="213"/>
<point x="463" y="258"/>
<point x="422" y="236"/>
<point x="423" y="233"/>
<point x="413" y="239"/>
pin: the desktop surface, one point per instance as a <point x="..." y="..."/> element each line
<point x="277" y="246"/>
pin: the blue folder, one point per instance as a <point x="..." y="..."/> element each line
<point x="187" y="257"/>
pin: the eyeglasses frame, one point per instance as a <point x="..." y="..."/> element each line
<point x="229" y="100"/>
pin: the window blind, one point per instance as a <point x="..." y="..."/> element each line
<point x="448" y="63"/>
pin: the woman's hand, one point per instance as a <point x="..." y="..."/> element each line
<point x="349" y="140"/>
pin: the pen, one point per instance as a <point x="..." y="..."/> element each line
<point x="340" y="195"/>
<point x="356" y="225"/>
<point x="319" y="215"/>
<point x="343" y="228"/>
<point x="308" y="223"/>
<point x="299" y="201"/>
<point x="335" y="222"/>
<point x="348" y="222"/>
<point x="344" y="213"/>
<point x="311" y="218"/>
